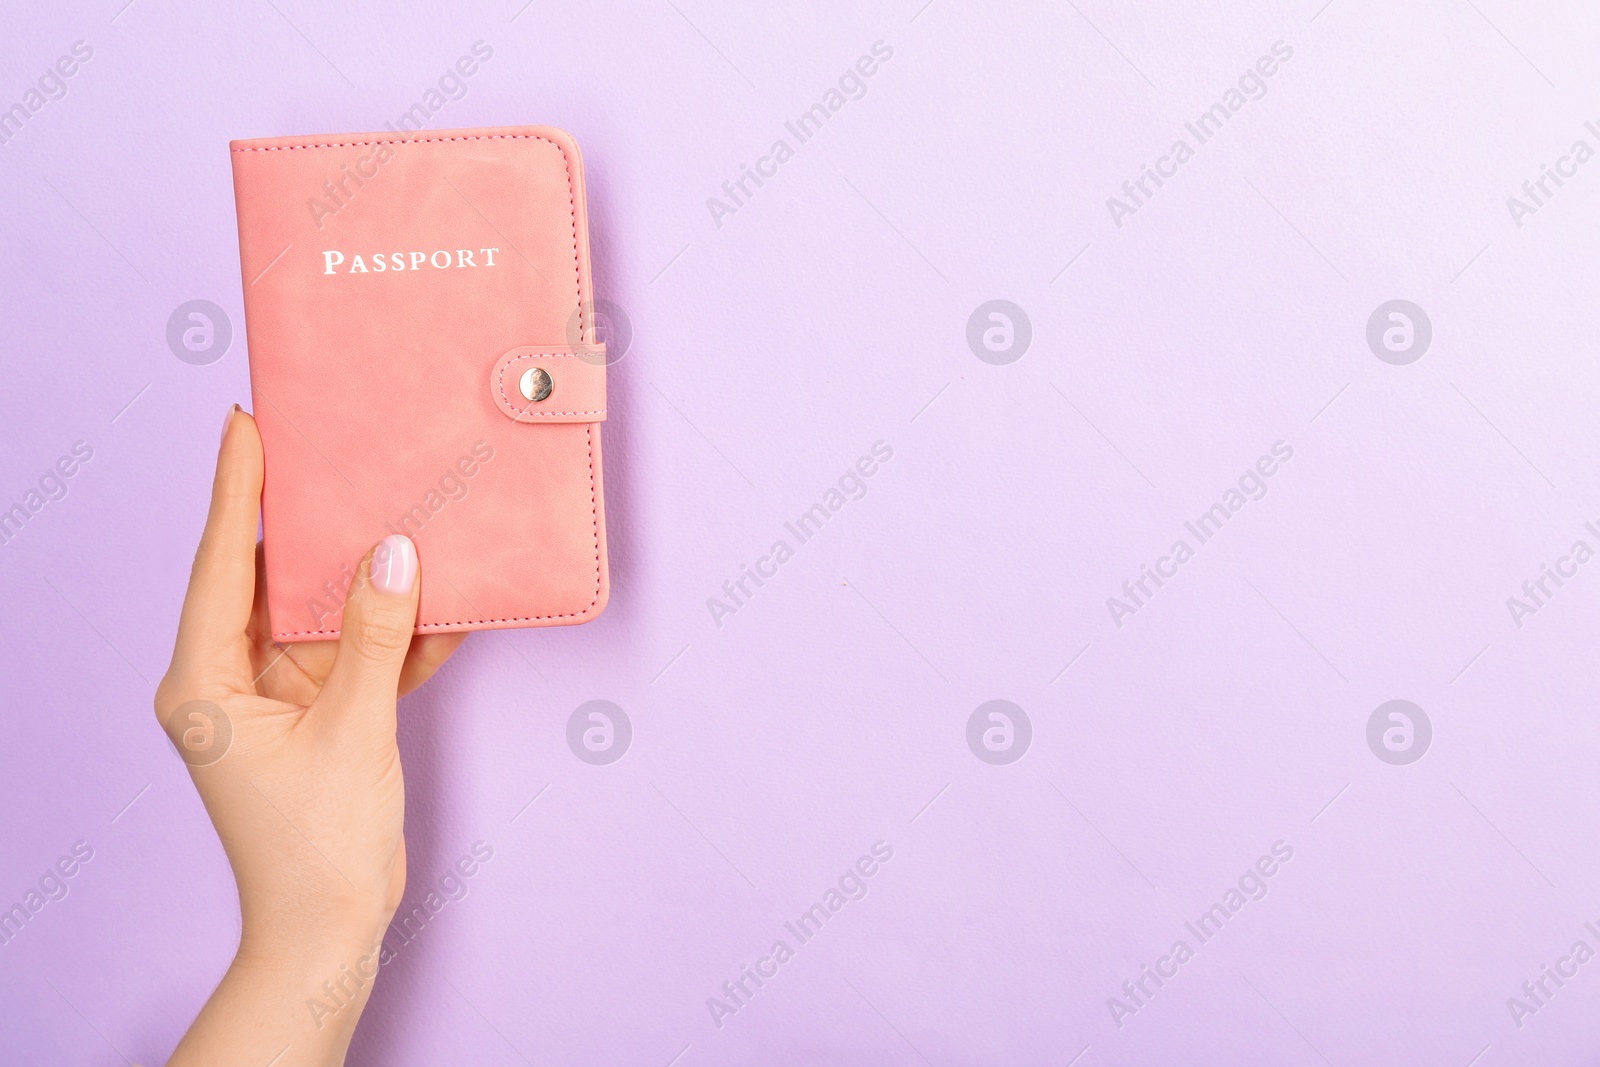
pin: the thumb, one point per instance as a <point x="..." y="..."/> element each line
<point x="378" y="619"/>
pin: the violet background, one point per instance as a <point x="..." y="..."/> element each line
<point x="830" y="712"/>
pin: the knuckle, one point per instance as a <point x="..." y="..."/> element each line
<point x="174" y="690"/>
<point x="165" y="700"/>
<point x="380" y="636"/>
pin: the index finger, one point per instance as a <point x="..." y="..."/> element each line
<point x="222" y="583"/>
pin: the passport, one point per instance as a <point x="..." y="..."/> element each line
<point x="420" y="317"/>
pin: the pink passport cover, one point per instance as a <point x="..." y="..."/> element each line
<point x="398" y="290"/>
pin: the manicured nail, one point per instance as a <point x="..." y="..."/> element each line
<point x="394" y="565"/>
<point x="228" y="420"/>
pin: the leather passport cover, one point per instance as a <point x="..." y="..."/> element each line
<point x="420" y="316"/>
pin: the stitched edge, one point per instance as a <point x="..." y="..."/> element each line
<point x="403" y="140"/>
<point x="572" y="210"/>
<point x="524" y="415"/>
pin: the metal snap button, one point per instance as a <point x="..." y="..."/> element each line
<point x="536" y="384"/>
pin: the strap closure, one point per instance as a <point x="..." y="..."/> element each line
<point x="551" y="383"/>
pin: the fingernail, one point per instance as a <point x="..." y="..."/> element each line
<point x="394" y="565"/>
<point x="228" y="420"/>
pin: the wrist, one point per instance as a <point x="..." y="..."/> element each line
<point x="296" y="943"/>
<point x="325" y="977"/>
<point x="307" y="926"/>
<point x="286" y="993"/>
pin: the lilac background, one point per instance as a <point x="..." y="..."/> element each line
<point x="830" y="711"/>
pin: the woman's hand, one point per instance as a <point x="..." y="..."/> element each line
<point x="292" y="749"/>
